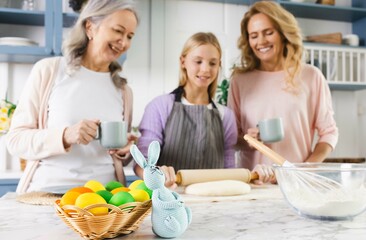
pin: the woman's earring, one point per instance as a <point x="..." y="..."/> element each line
<point x="90" y="38"/>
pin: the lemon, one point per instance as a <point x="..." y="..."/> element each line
<point x="112" y="185"/>
<point x="121" y="198"/>
<point x="140" y="195"/>
<point x="69" y="198"/>
<point x="94" y="185"/>
<point x="87" y="199"/>
<point x="134" y="184"/>
<point x="107" y="195"/>
<point x="143" y="186"/>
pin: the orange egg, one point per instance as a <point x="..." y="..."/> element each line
<point x="69" y="198"/>
<point x="80" y="189"/>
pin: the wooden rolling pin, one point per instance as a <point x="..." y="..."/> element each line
<point x="190" y="176"/>
<point x="266" y="151"/>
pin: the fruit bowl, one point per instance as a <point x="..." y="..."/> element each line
<point x="121" y="220"/>
<point x="324" y="191"/>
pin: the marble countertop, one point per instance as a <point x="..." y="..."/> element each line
<point x="16" y="174"/>
<point x="261" y="214"/>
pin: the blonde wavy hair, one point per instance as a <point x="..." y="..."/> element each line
<point x="75" y="45"/>
<point x="286" y="24"/>
<point x="196" y="40"/>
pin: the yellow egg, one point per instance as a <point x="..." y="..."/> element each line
<point x="134" y="184"/>
<point x="87" y="199"/>
<point x="139" y="195"/>
<point x="143" y="186"/>
<point x="94" y="185"/>
<point x="120" y="189"/>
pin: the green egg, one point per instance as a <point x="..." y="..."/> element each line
<point x="107" y="195"/>
<point x="112" y="185"/>
<point x="121" y="198"/>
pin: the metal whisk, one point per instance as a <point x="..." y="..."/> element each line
<point x="316" y="182"/>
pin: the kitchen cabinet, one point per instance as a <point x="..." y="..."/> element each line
<point x="52" y="19"/>
<point x="28" y="54"/>
<point x="61" y="20"/>
<point x="8" y="185"/>
<point x="355" y="14"/>
<point x="343" y="66"/>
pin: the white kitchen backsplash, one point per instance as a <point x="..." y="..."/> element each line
<point x="152" y="61"/>
<point x="361" y="127"/>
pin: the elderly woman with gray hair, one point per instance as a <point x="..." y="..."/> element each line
<point x="65" y="99"/>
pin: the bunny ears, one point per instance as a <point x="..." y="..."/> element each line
<point x="152" y="156"/>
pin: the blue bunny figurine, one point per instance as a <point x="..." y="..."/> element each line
<point x="169" y="217"/>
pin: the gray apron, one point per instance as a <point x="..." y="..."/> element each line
<point x="193" y="137"/>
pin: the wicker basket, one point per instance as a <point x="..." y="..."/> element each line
<point x="124" y="219"/>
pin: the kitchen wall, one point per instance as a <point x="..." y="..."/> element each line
<point x="152" y="62"/>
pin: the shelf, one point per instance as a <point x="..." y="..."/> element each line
<point x="343" y="66"/>
<point x="22" y="17"/>
<point x="240" y="2"/>
<point x="325" y="45"/>
<point x="324" y="12"/>
<point x="347" y="86"/>
<point x="28" y="54"/>
<point x="69" y="19"/>
<point x="23" y="54"/>
<point x="313" y="10"/>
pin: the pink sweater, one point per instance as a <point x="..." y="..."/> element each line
<point x="259" y="95"/>
<point x="29" y="137"/>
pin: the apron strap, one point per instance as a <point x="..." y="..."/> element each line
<point x="178" y="93"/>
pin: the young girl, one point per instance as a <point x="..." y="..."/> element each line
<point x="194" y="132"/>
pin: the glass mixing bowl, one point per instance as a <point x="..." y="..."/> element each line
<point x="325" y="191"/>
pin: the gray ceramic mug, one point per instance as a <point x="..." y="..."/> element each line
<point x="271" y="130"/>
<point x="112" y="135"/>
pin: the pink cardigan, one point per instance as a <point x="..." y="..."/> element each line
<point x="29" y="137"/>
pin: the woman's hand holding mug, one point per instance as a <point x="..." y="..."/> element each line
<point x="82" y="132"/>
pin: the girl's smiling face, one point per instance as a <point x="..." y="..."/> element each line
<point x="202" y="65"/>
<point x="265" y="41"/>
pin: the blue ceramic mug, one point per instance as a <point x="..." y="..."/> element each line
<point x="112" y="135"/>
<point x="271" y="130"/>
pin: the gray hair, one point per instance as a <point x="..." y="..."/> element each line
<point x="75" y="45"/>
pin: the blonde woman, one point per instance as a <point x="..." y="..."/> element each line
<point x="272" y="81"/>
